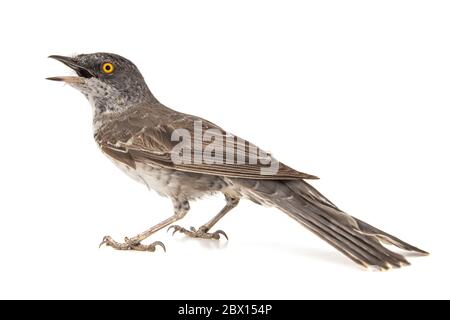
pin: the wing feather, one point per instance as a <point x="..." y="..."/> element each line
<point x="144" y="135"/>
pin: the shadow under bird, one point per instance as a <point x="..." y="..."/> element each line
<point x="136" y="132"/>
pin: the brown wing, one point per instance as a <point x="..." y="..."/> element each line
<point x="145" y="135"/>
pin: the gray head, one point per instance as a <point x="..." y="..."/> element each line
<point x="110" y="82"/>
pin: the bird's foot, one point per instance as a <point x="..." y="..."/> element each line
<point x="202" y="232"/>
<point x="130" y="244"/>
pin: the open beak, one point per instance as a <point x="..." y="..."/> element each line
<point x="81" y="71"/>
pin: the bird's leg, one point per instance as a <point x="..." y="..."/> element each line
<point x="202" y="232"/>
<point x="134" y="243"/>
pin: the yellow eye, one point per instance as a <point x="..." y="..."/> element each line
<point x="108" y="68"/>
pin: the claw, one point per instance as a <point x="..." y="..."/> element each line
<point x="221" y="232"/>
<point x="159" y="243"/>
<point x="176" y="229"/>
<point x="104" y="241"/>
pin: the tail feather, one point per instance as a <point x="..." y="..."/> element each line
<point x="386" y="237"/>
<point x="304" y="189"/>
<point x="352" y="246"/>
<point x="356" y="239"/>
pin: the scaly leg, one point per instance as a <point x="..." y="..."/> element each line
<point x="134" y="243"/>
<point x="202" y="232"/>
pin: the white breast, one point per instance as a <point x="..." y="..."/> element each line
<point x="172" y="183"/>
<point x="151" y="177"/>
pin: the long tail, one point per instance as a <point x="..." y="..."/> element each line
<point x="356" y="239"/>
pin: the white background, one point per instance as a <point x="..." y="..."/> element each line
<point x="356" y="92"/>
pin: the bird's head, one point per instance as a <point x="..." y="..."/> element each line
<point x="110" y="82"/>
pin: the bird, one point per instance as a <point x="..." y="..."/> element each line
<point x="184" y="158"/>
